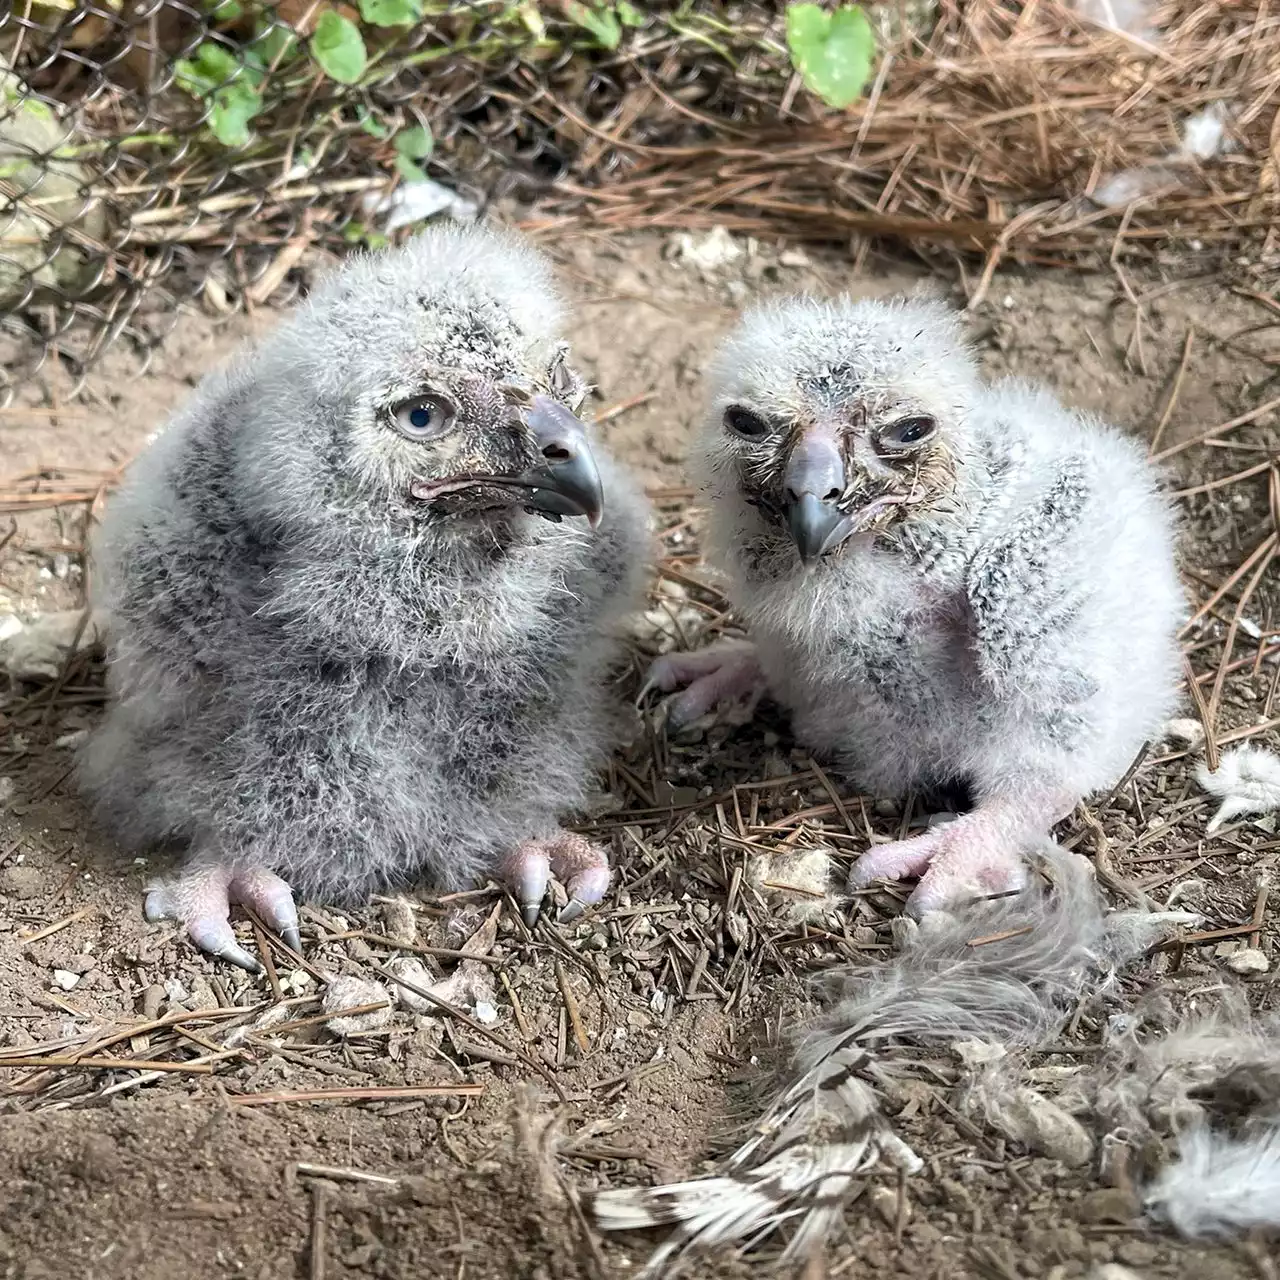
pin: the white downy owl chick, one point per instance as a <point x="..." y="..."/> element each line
<point x="953" y="587"/>
<point x="361" y="629"/>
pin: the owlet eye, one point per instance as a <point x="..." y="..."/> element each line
<point x="908" y="432"/>
<point x="424" y="417"/>
<point x="742" y="422"/>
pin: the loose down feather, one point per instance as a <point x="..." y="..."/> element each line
<point x="826" y="1128"/>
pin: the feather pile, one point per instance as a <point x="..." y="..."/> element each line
<point x="1006" y="972"/>
<point x="1212" y="1081"/>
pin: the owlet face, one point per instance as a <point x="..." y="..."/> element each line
<point x="430" y="383"/>
<point x="840" y="419"/>
<point x="466" y="443"/>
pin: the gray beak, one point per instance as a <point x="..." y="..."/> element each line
<point x="812" y="486"/>
<point x="565" y="482"/>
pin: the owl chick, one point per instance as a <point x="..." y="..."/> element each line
<point x="364" y="591"/>
<point x="955" y="588"/>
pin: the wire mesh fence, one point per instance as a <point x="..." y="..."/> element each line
<point x="154" y="152"/>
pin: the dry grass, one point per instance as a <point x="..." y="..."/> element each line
<point x="987" y="139"/>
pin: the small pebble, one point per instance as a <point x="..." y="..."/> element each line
<point x="21" y="882"/>
<point x="1108" y="1204"/>
<point x="884" y="1200"/>
<point x="65" y="978"/>
<point x="485" y="1013"/>
<point x="399" y="922"/>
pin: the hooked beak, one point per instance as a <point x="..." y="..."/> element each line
<point x="812" y="486"/>
<point x="565" y="482"/>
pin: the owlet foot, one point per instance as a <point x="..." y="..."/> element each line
<point x="727" y="672"/>
<point x="201" y="899"/>
<point x="582" y="867"/>
<point x="969" y="857"/>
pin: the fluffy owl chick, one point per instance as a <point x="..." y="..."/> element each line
<point x="953" y="587"/>
<point x="361" y="627"/>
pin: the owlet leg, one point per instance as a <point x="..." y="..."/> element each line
<point x="982" y="852"/>
<point x="201" y="899"/>
<point x="724" y="672"/>
<point x="581" y="866"/>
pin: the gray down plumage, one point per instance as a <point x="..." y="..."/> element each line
<point x="311" y="671"/>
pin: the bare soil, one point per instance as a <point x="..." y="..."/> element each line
<point x="649" y="1015"/>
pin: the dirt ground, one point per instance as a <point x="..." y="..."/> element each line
<point x="632" y="1033"/>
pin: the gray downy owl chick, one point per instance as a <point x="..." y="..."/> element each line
<point x="953" y="587"/>
<point x="364" y="592"/>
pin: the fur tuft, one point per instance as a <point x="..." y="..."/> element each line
<point x="1247" y="780"/>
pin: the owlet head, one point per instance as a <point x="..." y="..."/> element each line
<point x="438" y="385"/>
<point x="840" y="418"/>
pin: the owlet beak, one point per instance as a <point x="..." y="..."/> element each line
<point x="813" y="485"/>
<point x="565" y="482"/>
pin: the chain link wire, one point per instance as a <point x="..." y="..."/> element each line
<point x="118" y="201"/>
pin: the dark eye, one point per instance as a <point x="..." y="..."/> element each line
<point x="742" y="422"/>
<point x="423" y="417"/>
<point x="908" y="432"/>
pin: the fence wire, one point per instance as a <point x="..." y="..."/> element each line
<point x="125" y="189"/>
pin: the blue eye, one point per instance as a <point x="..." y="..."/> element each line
<point x="423" y="417"/>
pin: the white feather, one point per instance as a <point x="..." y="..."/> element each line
<point x="825" y="1128"/>
<point x="1220" y="1185"/>
<point x="1247" y="780"/>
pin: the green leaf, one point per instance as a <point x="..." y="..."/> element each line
<point x="223" y="10"/>
<point x="338" y="49"/>
<point x="233" y="108"/>
<point x="416" y="143"/>
<point x="410" y="170"/>
<point x="358" y="233"/>
<point x="275" y="45"/>
<point x="390" y="13"/>
<point x="630" y="15"/>
<point x="833" y="52"/>
<point x="372" y="125"/>
<point x="600" y="22"/>
<point x="211" y="68"/>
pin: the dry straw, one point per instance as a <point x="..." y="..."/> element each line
<point x="992" y="138"/>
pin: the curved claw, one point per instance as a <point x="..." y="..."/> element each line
<point x="587" y="886"/>
<point x="271" y="898"/>
<point x="571" y="911"/>
<point x="210" y="930"/>
<point x="583" y="868"/>
<point x="528" y="871"/>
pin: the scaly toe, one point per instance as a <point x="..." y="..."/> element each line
<point x="584" y="870"/>
<point x="897" y="859"/>
<point x="272" y="899"/>
<point x="966" y="871"/>
<point x="199" y="900"/>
